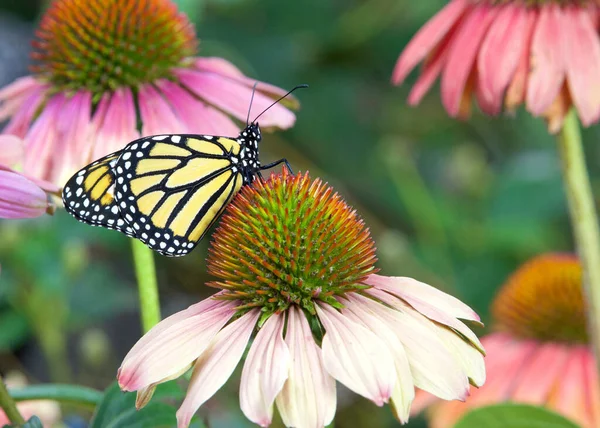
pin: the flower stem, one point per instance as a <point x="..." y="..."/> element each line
<point x="8" y="405"/>
<point x="584" y="221"/>
<point x="72" y="394"/>
<point x="143" y="258"/>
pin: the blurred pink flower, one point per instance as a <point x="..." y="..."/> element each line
<point x="539" y="355"/>
<point x="87" y="99"/>
<point x="379" y="336"/>
<point x="20" y="197"/>
<point x="48" y="411"/>
<point x="544" y="54"/>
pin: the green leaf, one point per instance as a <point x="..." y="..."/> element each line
<point x="14" y="330"/>
<point x="117" y="408"/>
<point x="513" y="416"/>
<point x="33" y="422"/>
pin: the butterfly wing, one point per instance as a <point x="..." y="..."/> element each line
<point x="171" y="188"/>
<point x="89" y="195"/>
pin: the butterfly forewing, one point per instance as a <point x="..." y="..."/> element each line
<point x="89" y="195"/>
<point x="171" y="188"/>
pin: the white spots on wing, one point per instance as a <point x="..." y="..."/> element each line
<point x="126" y="155"/>
<point x="159" y="137"/>
<point x="176" y="138"/>
<point x="146" y="144"/>
<point x="207" y="137"/>
<point x="78" y="192"/>
<point x="79" y="179"/>
<point x="140" y="154"/>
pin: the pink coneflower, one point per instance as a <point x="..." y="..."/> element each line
<point x="545" y="54"/>
<point x="20" y="196"/>
<point x="290" y="256"/>
<point x="104" y="66"/>
<point x="539" y="353"/>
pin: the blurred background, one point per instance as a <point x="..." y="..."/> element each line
<point x="455" y="204"/>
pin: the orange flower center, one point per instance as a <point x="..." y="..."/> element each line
<point x="101" y="45"/>
<point x="543" y="300"/>
<point x="290" y="240"/>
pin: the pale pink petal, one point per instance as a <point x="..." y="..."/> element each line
<point x="422" y="297"/>
<point x="461" y="58"/>
<point x="227" y="69"/>
<point x="21" y="120"/>
<point x="216" y="365"/>
<point x="308" y="397"/>
<point x="195" y="116"/>
<point x="358" y="309"/>
<point x="433" y="367"/>
<point x="40" y="141"/>
<point x="157" y="115"/>
<point x="356" y="357"/>
<point x="20" y="197"/>
<point x="234" y="98"/>
<point x="265" y="371"/>
<point x="18" y="88"/>
<point x="592" y="387"/>
<point x="499" y="56"/>
<point x="543" y="370"/>
<point x="172" y="344"/>
<point x="547" y="66"/>
<point x="11" y="150"/>
<point x="517" y="88"/>
<point x="114" y="124"/>
<point x="582" y="60"/>
<point x="427" y="38"/>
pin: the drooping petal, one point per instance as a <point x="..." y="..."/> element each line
<point x="422" y="297"/>
<point x="356" y="357"/>
<point x="172" y="344"/>
<point x="14" y="96"/>
<point x="499" y="56"/>
<point x="461" y="59"/>
<point x="157" y="115"/>
<point x="540" y="374"/>
<point x="11" y="150"/>
<point x="404" y="389"/>
<point x="427" y="38"/>
<point x="197" y="117"/>
<point x="308" y="398"/>
<point x="582" y="50"/>
<point x="20" y="197"/>
<point x="547" y="65"/>
<point x="265" y="371"/>
<point x="216" y="365"/>
<point x="234" y="98"/>
<point x="433" y="367"/>
<point x="21" y="120"/>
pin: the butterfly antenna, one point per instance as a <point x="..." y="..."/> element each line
<point x="250" y="106"/>
<point x="304" y="85"/>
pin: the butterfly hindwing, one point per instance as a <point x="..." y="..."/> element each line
<point x="89" y="195"/>
<point x="171" y="188"/>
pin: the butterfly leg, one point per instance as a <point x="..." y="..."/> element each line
<point x="280" y="161"/>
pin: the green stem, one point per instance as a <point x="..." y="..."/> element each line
<point x="143" y="258"/>
<point x="72" y="394"/>
<point x="8" y="405"/>
<point x="584" y="221"/>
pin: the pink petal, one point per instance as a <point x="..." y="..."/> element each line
<point x="265" y="371"/>
<point x="19" y="87"/>
<point x="433" y="367"/>
<point x="582" y="60"/>
<point x="461" y="58"/>
<point x="197" y="117"/>
<point x="404" y="389"/>
<point x="11" y="150"/>
<point x="547" y="64"/>
<point x="308" y="397"/>
<point x="422" y="297"/>
<point x="544" y="369"/>
<point x="21" y="120"/>
<point x="356" y="357"/>
<point x="592" y="387"/>
<point x="427" y="38"/>
<point x="234" y="98"/>
<point x="157" y="116"/>
<point x="517" y="88"/>
<point x="499" y="56"/>
<point x="20" y="197"/>
<point x="216" y="365"/>
<point x="173" y="344"/>
<point x="114" y="124"/>
<point x="40" y="141"/>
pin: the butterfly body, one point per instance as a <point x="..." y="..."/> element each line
<point x="165" y="190"/>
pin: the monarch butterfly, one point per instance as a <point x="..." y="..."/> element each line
<point x="167" y="190"/>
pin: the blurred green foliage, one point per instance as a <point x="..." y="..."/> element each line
<point x="456" y="204"/>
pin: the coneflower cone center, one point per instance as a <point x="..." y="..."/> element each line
<point x="290" y="240"/>
<point x="101" y="45"/>
<point x="543" y="300"/>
